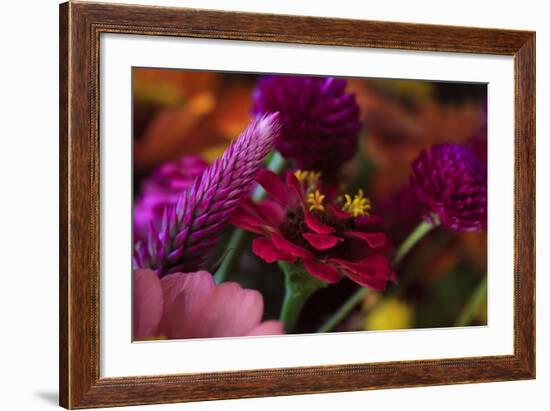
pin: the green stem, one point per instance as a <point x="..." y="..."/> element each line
<point x="291" y="309"/>
<point x="405" y="281"/>
<point x="299" y="285"/>
<point x="419" y="232"/>
<point x="471" y="308"/>
<point x="237" y="240"/>
<point x="344" y="310"/>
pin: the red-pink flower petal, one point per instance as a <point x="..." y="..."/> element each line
<point x="337" y="213"/>
<point x="148" y="303"/>
<point x="272" y="211"/>
<point x="373" y="272"/>
<point x="247" y="221"/>
<point x="295" y="185"/>
<point x="322" y="241"/>
<point x="374" y="240"/>
<point x="291" y="248"/>
<point x="273" y="185"/>
<point x="369" y="223"/>
<point x="257" y="218"/>
<point x="321" y="270"/>
<point x="267" y="251"/>
<point x="315" y="225"/>
<point x="270" y="327"/>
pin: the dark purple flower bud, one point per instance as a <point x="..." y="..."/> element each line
<point x="191" y="227"/>
<point x="451" y="183"/>
<point x="163" y="189"/>
<point x="320" y="121"/>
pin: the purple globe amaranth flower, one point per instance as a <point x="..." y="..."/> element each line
<point x="451" y="183"/>
<point x="192" y="227"/>
<point x="163" y="189"/>
<point x="320" y="121"/>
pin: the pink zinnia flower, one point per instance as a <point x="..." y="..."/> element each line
<point x="331" y="238"/>
<point x="190" y="305"/>
<point x="163" y="188"/>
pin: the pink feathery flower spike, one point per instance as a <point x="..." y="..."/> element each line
<point x="192" y="227"/>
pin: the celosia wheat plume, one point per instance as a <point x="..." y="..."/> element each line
<point x="192" y="227"/>
<point x="163" y="188"/>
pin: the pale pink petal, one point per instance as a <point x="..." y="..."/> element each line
<point x="148" y="304"/>
<point x="196" y="308"/>
<point x="185" y="297"/>
<point x="270" y="327"/>
<point x="230" y="311"/>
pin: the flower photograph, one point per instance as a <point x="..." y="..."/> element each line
<point x="302" y="204"/>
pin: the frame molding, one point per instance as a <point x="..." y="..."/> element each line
<point x="81" y="24"/>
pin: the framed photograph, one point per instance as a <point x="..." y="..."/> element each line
<point x="257" y="205"/>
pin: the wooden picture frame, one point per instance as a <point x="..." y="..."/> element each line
<point x="80" y="27"/>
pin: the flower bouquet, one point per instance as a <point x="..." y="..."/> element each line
<point x="300" y="223"/>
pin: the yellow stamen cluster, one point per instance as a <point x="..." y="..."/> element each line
<point x="309" y="177"/>
<point x="315" y="201"/>
<point x="358" y="206"/>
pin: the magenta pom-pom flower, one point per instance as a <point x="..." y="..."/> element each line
<point x="451" y="184"/>
<point x="330" y="237"/>
<point x="191" y="227"/>
<point x="320" y="120"/>
<point x="190" y="305"/>
<point x="163" y="188"/>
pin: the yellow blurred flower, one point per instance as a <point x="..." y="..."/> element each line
<point x="390" y="314"/>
